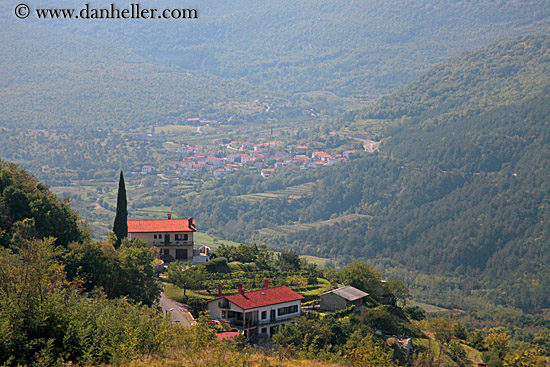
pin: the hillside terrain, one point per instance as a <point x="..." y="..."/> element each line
<point x="359" y="49"/>
<point x="54" y="79"/>
<point x="471" y="138"/>
<point x="454" y="201"/>
<point x="403" y="147"/>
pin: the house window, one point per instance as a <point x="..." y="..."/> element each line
<point x="223" y="314"/>
<point x="155" y="236"/>
<point x="287" y="310"/>
<point x="264" y="330"/>
<point x="181" y="237"/>
<point x="160" y="237"/>
<point x="264" y="315"/>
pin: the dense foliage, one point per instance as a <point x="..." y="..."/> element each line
<point x="53" y="308"/>
<point x="44" y="318"/>
<point x="29" y="209"/>
<point x="124" y="272"/>
<point x="53" y="79"/>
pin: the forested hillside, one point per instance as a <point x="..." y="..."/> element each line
<point x="54" y="79"/>
<point x="356" y="48"/>
<point x="473" y="138"/>
<point x="458" y="190"/>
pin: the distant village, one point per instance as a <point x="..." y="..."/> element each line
<point x="237" y="154"/>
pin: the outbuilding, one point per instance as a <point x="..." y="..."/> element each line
<point x="342" y="298"/>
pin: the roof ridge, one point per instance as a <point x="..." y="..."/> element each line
<point x="160" y="219"/>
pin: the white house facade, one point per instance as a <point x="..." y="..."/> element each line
<point x="259" y="314"/>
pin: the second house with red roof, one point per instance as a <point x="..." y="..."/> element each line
<point x="258" y="313"/>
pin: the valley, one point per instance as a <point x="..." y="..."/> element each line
<point x="406" y="139"/>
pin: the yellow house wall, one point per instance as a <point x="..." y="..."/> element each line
<point x="151" y="241"/>
<point x="148" y="238"/>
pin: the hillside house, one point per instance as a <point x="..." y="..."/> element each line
<point x="348" y="153"/>
<point x="218" y="162"/>
<point x="245" y="158"/>
<point x="301" y="149"/>
<point x="322" y="156"/>
<point x="266" y="172"/>
<point x="147" y="169"/>
<point x="221" y="172"/>
<point x="173" y="237"/>
<point x="342" y="298"/>
<point x="259" y="314"/>
<point x="233" y="157"/>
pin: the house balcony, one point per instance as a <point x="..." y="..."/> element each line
<point x="245" y="325"/>
<point x="160" y="243"/>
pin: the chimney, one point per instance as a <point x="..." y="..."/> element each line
<point x="241" y="291"/>
<point x="220" y="290"/>
<point x="266" y="283"/>
<point x="169" y="216"/>
<point x="190" y="223"/>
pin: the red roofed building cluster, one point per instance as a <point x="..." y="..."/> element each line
<point x="259" y="313"/>
<point x="222" y="162"/>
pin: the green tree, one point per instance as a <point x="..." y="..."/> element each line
<point x="264" y="258"/>
<point x="414" y="312"/>
<point x="120" y="226"/>
<point x="288" y="260"/>
<point x="398" y="288"/>
<point x="361" y="276"/>
<point x="136" y="274"/>
<point x="364" y="351"/>
<point x="190" y="278"/>
<point x="525" y="358"/>
<point x="458" y="353"/>
<point x="460" y="331"/>
<point x="45" y="320"/>
<point x="127" y="271"/>
<point x="498" y="342"/>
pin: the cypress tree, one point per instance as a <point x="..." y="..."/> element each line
<point x="120" y="227"/>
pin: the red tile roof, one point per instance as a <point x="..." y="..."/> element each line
<point x="321" y="154"/>
<point x="227" y="335"/>
<point x="161" y="225"/>
<point x="262" y="297"/>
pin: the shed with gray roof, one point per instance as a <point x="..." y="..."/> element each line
<point x="342" y="298"/>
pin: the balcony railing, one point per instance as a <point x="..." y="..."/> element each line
<point x="248" y="324"/>
<point x="161" y="243"/>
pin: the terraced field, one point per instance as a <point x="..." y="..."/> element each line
<point x="294" y="192"/>
<point x="288" y="228"/>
